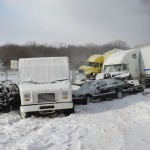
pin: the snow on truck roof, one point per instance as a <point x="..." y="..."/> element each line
<point x="118" y="57"/>
<point x="43" y="69"/>
<point x="94" y="57"/>
<point x="112" y="51"/>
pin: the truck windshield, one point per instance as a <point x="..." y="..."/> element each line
<point x="91" y="64"/>
<point x="113" y="68"/>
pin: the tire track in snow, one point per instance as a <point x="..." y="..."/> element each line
<point x="75" y="138"/>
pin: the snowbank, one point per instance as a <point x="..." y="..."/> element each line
<point x="110" y="125"/>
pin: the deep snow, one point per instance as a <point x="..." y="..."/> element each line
<point x="110" y="125"/>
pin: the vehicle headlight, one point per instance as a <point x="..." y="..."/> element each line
<point x="65" y="94"/>
<point x="27" y="97"/>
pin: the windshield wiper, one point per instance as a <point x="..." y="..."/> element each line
<point x="59" y="80"/>
<point x="33" y="82"/>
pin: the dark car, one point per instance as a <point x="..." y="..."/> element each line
<point x="98" y="90"/>
<point x="9" y="96"/>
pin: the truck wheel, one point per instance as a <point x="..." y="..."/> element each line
<point x="67" y="112"/>
<point x="88" y="99"/>
<point x="24" y="114"/>
<point x="119" y="94"/>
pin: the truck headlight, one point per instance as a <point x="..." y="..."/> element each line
<point x="65" y="94"/>
<point x="27" y="97"/>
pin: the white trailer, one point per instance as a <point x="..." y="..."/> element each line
<point x="145" y="60"/>
<point x="45" y="86"/>
<point x="145" y="63"/>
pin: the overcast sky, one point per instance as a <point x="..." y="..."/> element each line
<point x="74" y="21"/>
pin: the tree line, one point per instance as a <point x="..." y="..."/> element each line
<point x="76" y="54"/>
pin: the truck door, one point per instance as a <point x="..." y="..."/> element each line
<point x="97" y="68"/>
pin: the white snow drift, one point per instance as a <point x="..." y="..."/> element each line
<point x="110" y="125"/>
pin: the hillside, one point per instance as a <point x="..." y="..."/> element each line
<point x="109" y="125"/>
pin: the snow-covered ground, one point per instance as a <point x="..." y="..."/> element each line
<point x="110" y="125"/>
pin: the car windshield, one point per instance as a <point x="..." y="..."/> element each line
<point x="86" y="85"/>
<point x="110" y="81"/>
<point x="91" y="64"/>
<point x="112" y="68"/>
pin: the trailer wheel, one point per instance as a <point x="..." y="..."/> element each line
<point x="67" y="112"/>
<point x="119" y="94"/>
<point x="24" y="114"/>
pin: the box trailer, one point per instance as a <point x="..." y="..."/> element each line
<point x="45" y="86"/>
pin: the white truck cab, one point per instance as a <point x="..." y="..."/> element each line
<point x="123" y="62"/>
<point x="45" y="86"/>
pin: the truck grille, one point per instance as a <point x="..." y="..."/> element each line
<point x="46" y="97"/>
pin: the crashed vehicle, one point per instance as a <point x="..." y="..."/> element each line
<point x="45" y="86"/>
<point x="135" y="84"/>
<point x="79" y="79"/>
<point x="9" y="96"/>
<point x="99" y="90"/>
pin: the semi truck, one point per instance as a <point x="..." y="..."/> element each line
<point x="45" y="86"/>
<point x="92" y="65"/>
<point x="133" y="64"/>
<point x="95" y="63"/>
<point x="109" y="53"/>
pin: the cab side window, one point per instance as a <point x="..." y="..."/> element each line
<point x="125" y="67"/>
<point x="97" y="65"/>
<point x="134" y="56"/>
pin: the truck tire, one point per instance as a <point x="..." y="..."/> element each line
<point x="24" y="114"/>
<point x="119" y="94"/>
<point x="67" y="112"/>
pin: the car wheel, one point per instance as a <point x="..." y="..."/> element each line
<point x="24" y="114"/>
<point x="67" y="112"/>
<point x="119" y="94"/>
<point x="88" y="99"/>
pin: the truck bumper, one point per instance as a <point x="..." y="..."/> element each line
<point x="46" y="107"/>
<point x="137" y="88"/>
